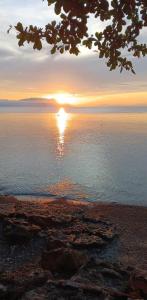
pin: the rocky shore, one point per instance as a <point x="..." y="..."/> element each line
<point x="69" y="250"/>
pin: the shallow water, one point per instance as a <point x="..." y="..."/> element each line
<point x="98" y="157"/>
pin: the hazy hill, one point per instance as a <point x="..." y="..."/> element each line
<point x="29" y="102"/>
<point x="47" y="105"/>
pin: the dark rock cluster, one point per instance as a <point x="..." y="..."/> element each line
<point x="52" y="252"/>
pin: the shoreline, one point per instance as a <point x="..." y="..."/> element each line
<point x="130" y="220"/>
<point x="53" y="197"/>
<point x="38" y="233"/>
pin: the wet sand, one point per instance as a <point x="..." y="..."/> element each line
<point x="131" y="224"/>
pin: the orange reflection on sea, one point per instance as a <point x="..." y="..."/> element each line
<point x="62" y="119"/>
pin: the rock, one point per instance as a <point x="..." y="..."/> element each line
<point x="27" y="276"/>
<point x="99" y="219"/>
<point x="70" y="238"/>
<point x="65" y="235"/>
<point x="138" y="282"/>
<point x="65" y="290"/>
<point x="56" y="239"/>
<point x="77" y="285"/>
<point x="50" y="220"/>
<point x="10" y="292"/>
<point x="104" y="275"/>
<point x="55" y="243"/>
<point x="39" y="220"/>
<point x="106" y="232"/>
<point x="19" y="231"/>
<point x="88" y="234"/>
<point x="63" y="260"/>
<point x="77" y="228"/>
<point x="36" y="277"/>
<point x="38" y="294"/>
<point x="88" y="241"/>
<point x="13" y="284"/>
<point x="3" y="291"/>
<point x="111" y="272"/>
<point x="62" y="220"/>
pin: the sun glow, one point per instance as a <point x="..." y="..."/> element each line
<point x="64" y="98"/>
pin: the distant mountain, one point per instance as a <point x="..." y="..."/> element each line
<point x="29" y="105"/>
<point x="50" y="105"/>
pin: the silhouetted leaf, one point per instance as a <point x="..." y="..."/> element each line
<point x="53" y="50"/>
<point x="123" y="22"/>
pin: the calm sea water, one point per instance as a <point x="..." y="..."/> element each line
<point x="98" y="157"/>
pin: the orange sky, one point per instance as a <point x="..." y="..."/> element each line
<point x="26" y="73"/>
<point x="120" y="99"/>
<point x="117" y="99"/>
<point x="104" y="99"/>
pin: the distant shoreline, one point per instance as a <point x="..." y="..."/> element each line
<point x="91" y="110"/>
<point x="51" y="197"/>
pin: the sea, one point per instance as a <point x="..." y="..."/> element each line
<point x="87" y="155"/>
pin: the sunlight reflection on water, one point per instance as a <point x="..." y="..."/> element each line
<point x="62" y="118"/>
<point x="99" y="157"/>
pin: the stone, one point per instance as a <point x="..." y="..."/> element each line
<point x="39" y="220"/>
<point x="3" y="291"/>
<point x="107" y="233"/>
<point x="104" y="275"/>
<point x="58" y="239"/>
<point x="104" y="231"/>
<point x="19" y="231"/>
<point x="138" y="282"/>
<point x="50" y="221"/>
<point x="13" y="284"/>
<point x="88" y="241"/>
<point x="10" y="292"/>
<point x="77" y="285"/>
<point x="55" y="243"/>
<point x="36" y="294"/>
<point x="65" y="290"/>
<point x="76" y="228"/>
<point x="63" y="260"/>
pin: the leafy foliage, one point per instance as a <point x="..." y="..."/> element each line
<point x="123" y="22"/>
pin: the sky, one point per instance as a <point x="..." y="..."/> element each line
<point x="26" y="73"/>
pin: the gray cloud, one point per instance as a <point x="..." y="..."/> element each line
<point x="6" y="54"/>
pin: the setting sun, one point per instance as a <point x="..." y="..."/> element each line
<point x="64" y="98"/>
